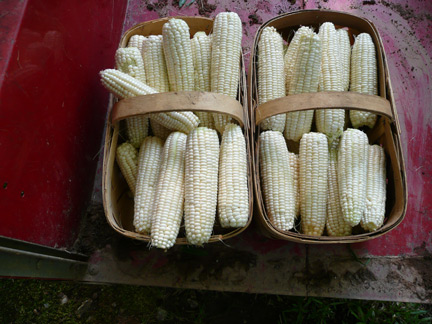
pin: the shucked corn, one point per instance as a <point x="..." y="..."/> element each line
<point x="182" y="175"/>
<point x="341" y="178"/>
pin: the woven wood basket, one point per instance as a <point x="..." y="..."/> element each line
<point x="385" y="132"/>
<point x="117" y="199"/>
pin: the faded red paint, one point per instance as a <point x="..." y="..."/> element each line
<point x="52" y="116"/>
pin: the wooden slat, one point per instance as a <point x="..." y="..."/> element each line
<point x="324" y="100"/>
<point x="178" y="101"/>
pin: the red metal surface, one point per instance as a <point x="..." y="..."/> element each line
<point x="52" y="113"/>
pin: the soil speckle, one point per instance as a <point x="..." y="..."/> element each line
<point x="254" y="19"/>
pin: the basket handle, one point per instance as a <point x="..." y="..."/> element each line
<point x="324" y="100"/>
<point x="178" y="101"/>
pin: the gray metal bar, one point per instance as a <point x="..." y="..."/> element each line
<point x="18" y="263"/>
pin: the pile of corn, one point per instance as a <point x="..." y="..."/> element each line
<point x="173" y="162"/>
<point x="337" y="181"/>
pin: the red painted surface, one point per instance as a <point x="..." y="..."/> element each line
<point x="52" y="113"/>
<point x="11" y="12"/>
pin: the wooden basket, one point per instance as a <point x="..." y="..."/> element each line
<point x="385" y="132"/>
<point x="117" y="200"/>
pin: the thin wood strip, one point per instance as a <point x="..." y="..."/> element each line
<point x="324" y="100"/>
<point x="178" y="101"/>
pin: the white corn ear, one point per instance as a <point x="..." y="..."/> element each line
<point x="127" y="159"/>
<point x="364" y="77"/>
<point x="313" y="158"/>
<point x="305" y="78"/>
<point x="201" y="184"/>
<point x="294" y="165"/>
<point x="233" y="198"/>
<point x="373" y="216"/>
<point x="344" y="57"/>
<point x="271" y="76"/>
<point x="148" y="171"/>
<point x="129" y="61"/>
<point x="154" y="63"/>
<point x="277" y="180"/>
<point x="225" y="62"/>
<point x="136" y="41"/>
<point x="335" y="224"/>
<point x="169" y="197"/>
<point x="201" y="55"/>
<point x="178" y="55"/>
<point x="123" y="86"/>
<point x="352" y="174"/>
<point x="290" y="57"/>
<point x="330" y="121"/>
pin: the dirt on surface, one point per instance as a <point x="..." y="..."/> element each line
<point x="254" y="19"/>
<point x="204" y="8"/>
<point x="95" y="233"/>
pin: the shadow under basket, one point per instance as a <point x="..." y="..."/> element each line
<point x="117" y="198"/>
<point x="386" y="131"/>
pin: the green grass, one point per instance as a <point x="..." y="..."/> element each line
<point x="36" y="301"/>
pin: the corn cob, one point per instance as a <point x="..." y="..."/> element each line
<point x="277" y="180"/>
<point x="305" y="78"/>
<point x="169" y="197"/>
<point x="226" y="53"/>
<point x="154" y="63"/>
<point x="201" y="184"/>
<point x="364" y="78"/>
<point x="201" y="55"/>
<point x="294" y="165"/>
<point x="148" y="171"/>
<point x="373" y="216"/>
<point x="178" y="55"/>
<point x="130" y="61"/>
<point x="127" y="159"/>
<point x="335" y="224"/>
<point x="344" y="56"/>
<point x="233" y="199"/>
<point x="159" y="130"/>
<point x="290" y="57"/>
<point x="352" y="169"/>
<point x="313" y="159"/>
<point x="137" y="129"/>
<point x="185" y="121"/>
<point x="136" y="41"/>
<point x="330" y="121"/>
<point x="124" y="86"/>
<point x="271" y="76"/>
<point x="157" y="75"/>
